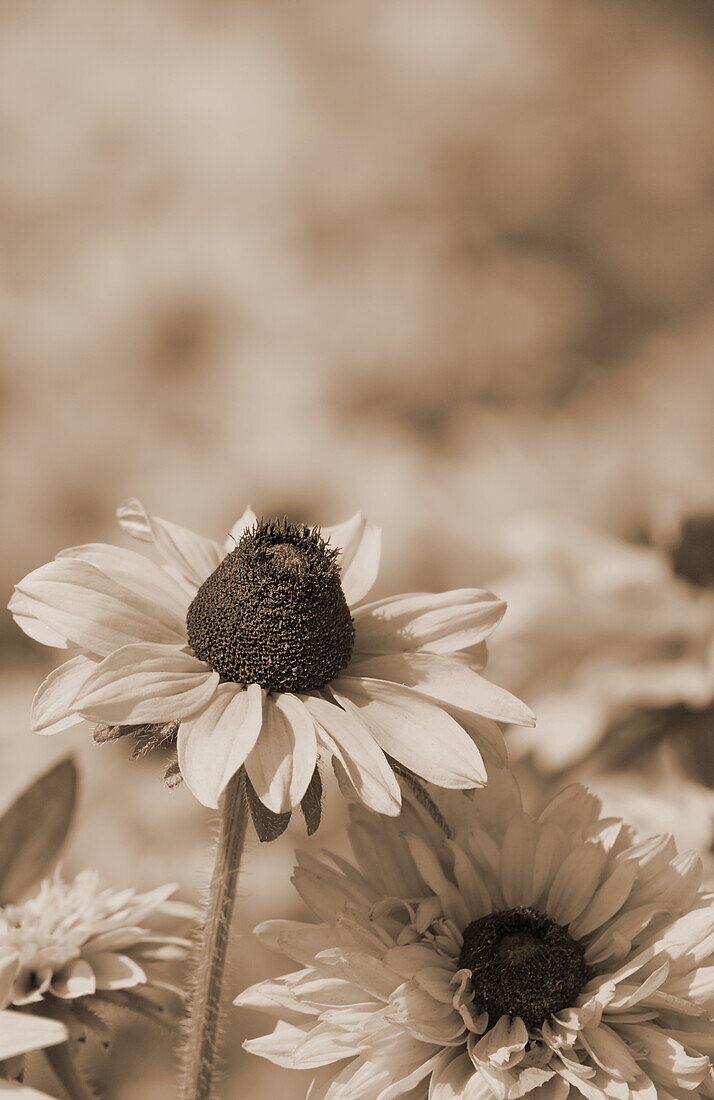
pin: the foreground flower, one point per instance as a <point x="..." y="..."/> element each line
<point x="549" y="956"/>
<point x="255" y="653"/>
<point x="602" y="632"/>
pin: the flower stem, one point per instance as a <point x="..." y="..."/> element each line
<point x="201" y="1045"/>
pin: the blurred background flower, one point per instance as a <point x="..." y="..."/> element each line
<point x="446" y="261"/>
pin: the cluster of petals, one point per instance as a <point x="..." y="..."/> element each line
<point x="411" y="692"/>
<point x="380" y="1009"/>
<point x="20" y="1034"/>
<point x="628" y="634"/>
<point x="82" y="939"/>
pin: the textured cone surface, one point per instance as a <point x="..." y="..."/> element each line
<point x="522" y="964"/>
<point x="273" y="613"/>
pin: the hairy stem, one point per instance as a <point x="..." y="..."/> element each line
<point x="201" y="1045"/>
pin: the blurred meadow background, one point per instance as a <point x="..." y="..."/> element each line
<point x="448" y="262"/>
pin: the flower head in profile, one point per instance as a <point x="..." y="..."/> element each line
<point x="75" y="949"/>
<point x="548" y="956"/>
<point x="256" y="654"/>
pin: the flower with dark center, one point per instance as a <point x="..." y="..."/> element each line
<point x="523" y="956"/>
<point x="259" y="654"/>
<point x="523" y="964"/>
<point x="273" y="613"/>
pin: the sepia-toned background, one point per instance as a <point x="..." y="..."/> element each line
<point x="449" y="262"/>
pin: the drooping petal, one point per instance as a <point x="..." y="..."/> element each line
<point x="133" y="571"/>
<point x="447" y="679"/>
<point x="78" y="601"/>
<point x="364" y="763"/>
<point x="360" y="546"/>
<point x="194" y="556"/>
<point x="116" y="971"/>
<point x="146" y="683"/>
<point x="248" y="519"/>
<point x="52" y="705"/>
<point x="77" y="979"/>
<point x="415" y="731"/>
<point x="458" y="1079"/>
<point x="443" y="622"/>
<point x="21" y="1032"/>
<point x="214" y="743"/>
<point x="281" y="763"/>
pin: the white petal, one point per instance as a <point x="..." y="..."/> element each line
<point x="517" y="859"/>
<point x="441" y="622"/>
<point x="364" y="762"/>
<point x="116" y="971"/>
<point x="281" y="764"/>
<point x="458" y="1080"/>
<point x="135" y="572"/>
<point x="607" y="900"/>
<point x="52" y="705"/>
<point x="248" y="519"/>
<point x="214" y="743"/>
<point x="74" y="980"/>
<point x="360" y="546"/>
<point x="21" y="1032"/>
<point x="78" y="601"/>
<point x="445" y="678"/>
<point x="20" y="607"/>
<point x="415" y="731"/>
<point x="575" y="883"/>
<point x="147" y="683"/>
<point x="17" y="1091"/>
<point x="193" y="555"/>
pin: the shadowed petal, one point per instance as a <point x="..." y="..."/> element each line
<point x="360" y="545"/>
<point x="441" y="622"/>
<point x="248" y="519"/>
<point x="21" y="609"/>
<point x="147" y="683"/>
<point x="415" y="731"/>
<point x="193" y="555"/>
<point x="214" y="743"/>
<point x="281" y="764"/>
<point x="366" y="766"/>
<point x="54" y="699"/>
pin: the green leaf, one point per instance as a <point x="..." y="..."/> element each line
<point x="34" y="829"/>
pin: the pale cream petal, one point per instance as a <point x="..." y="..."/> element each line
<point x="517" y="859"/>
<point x="239" y="528"/>
<point x="295" y="1048"/>
<point x="447" y="679"/>
<point x="20" y="607"/>
<point x="360" y="546"/>
<point x="607" y="900"/>
<point x="296" y="939"/>
<point x="610" y="1053"/>
<point x="77" y="979"/>
<point x="116" y="971"/>
<point x="667" y="1056"/>
<point x="365" y="765"/>
<point x="21" y="1032"/>
<point x="84" y="605"/>
<point x="52" y="705"/>
<point x="193" y="555"/>
<point x="506" y="1038"/>
<point x="442" y="622"/>
<point x="415" y="731"/>
<point x="14" y="1090"/>
<point x="575" y="883"/>
<point x="147" y="683"/>
<point x="135" y="572"/>
<point x="432" y="872"/>
<point x="281" y="764"/>
<point x="213" y="744"/>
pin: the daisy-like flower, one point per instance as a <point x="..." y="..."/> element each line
<point x="256" y="653"/>
<point x="549" y="956"/>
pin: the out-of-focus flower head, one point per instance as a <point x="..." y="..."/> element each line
<point x="253" y="653"/>
<point x="520" y="955"/>
<point x="20" y="1034"/>
<point x="601" y="630"/>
